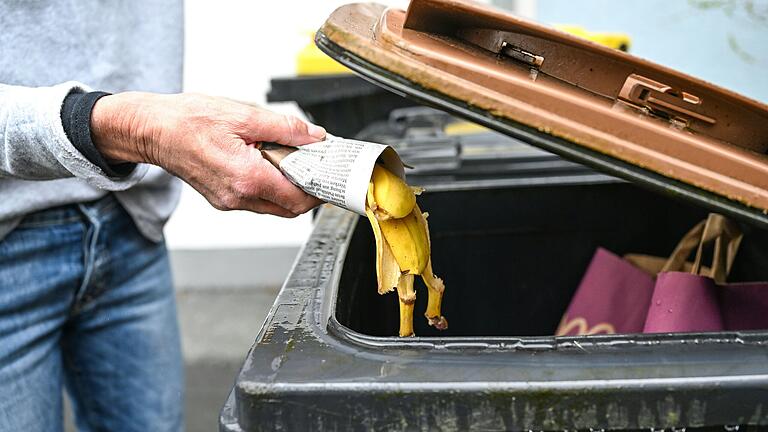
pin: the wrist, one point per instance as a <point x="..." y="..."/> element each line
<point x="119" y="129"/>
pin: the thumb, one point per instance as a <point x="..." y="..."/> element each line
<point x="284" y="129"/>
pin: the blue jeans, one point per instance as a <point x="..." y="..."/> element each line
<point x="87" y="304"/>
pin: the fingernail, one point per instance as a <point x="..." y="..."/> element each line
<point x="316" y="131"/>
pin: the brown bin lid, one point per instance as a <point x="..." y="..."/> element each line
<point x="599" y="106"/>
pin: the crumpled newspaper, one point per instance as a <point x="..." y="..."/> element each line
<point x="338" y="170"/>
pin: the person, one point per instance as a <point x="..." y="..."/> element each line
<point x="86" y="184"/>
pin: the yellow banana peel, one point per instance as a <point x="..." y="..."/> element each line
<point x="402" y="247"/>
<point x="394" y="199"/>
<point x="387" y="270"/>
<point x="407" y="237"/>
<point x="406" y="298"/>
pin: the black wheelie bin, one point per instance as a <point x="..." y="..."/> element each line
<point x="643" y="153"/>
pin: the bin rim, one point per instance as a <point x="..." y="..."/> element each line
<point x="332" y="328"/>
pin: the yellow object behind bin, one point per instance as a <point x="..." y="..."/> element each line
<point x="464" y="128"/>
<point x="312" y="61"/>
<point x="619" y="41"/>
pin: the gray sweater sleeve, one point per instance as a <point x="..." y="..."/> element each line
<point x="33" y="145"/>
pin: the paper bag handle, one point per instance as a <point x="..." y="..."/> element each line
<point x="726" y="236"/>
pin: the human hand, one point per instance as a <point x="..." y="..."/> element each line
<point x="208" y="142"/>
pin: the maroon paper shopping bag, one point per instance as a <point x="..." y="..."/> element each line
<point x="613" y="297"/>
<point x="701" y="300"/>
<point x="683" y="302"/>
<point x="615" y="293"/>
<point x="689" y="302"/>
<point x="744" y="306"/>
<point x="621" y="295"/>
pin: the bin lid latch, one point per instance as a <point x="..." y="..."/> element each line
<point x="500" y="43"/>
<point x="662" y="100"/>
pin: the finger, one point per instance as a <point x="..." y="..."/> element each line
<point x="283" y="129"/>
<point x="278" y="189"/>
<point x="244" y="102"/>
<point x="265" y="207"/>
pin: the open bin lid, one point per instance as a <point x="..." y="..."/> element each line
<point x="601" y="107"/>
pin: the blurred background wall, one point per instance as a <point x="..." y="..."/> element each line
<point x="721" y="41"/>
<point x="234" y="47"/>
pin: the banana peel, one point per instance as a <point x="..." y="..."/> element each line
<point x="407" y="299"/>
<point x="403" y="247"/>
<point x="407" y="238"/>
<point x="435" y="289"/>
<point x="387" y="270"/>
<point x="389" y="186"/>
